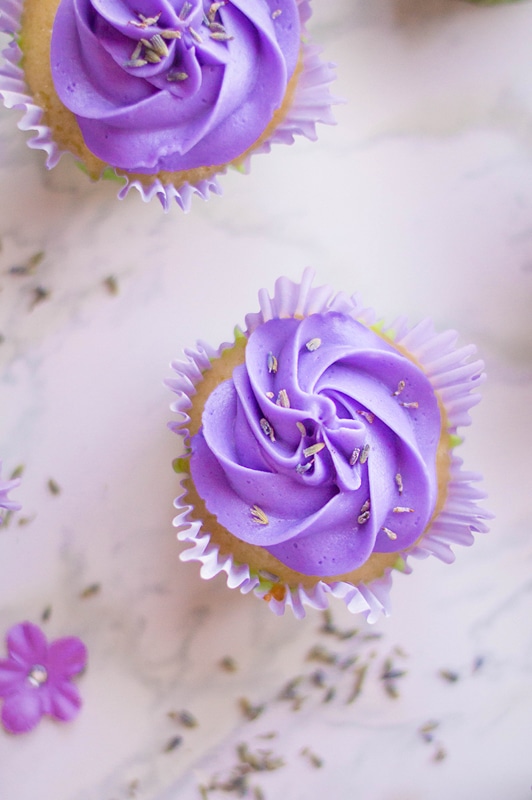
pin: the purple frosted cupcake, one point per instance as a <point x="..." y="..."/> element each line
<point x="320" y="451"/>
<point x="163" y="94"/>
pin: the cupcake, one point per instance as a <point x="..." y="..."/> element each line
<point x="320" y="451"/>
<point x="163" y="95"/>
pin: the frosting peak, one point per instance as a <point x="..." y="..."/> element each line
<point x="173" y="84"/>
<point x="322" y="447"/>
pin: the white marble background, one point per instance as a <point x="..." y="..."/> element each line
<point x="421" y="199"/>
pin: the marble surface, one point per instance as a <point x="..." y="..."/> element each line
<point x="421" y="199"/>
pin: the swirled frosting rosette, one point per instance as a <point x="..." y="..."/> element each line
<point x="163" y="94"/>
<point x="319" y="451"/>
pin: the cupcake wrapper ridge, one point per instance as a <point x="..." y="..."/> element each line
<point x="311" y="104"/>
<point x="453" y="377"/>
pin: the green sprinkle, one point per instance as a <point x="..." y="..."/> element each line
<point x="455" y="440"/>
<point x="239" y="167"/>
<point x="109" y="174"/>
<point x="181" y="464"/>
<point x="400" y="565"/>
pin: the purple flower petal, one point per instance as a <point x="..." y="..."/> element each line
<point x="12" y="676"/>
<point x="22" y="711"/>
<point x="27" y="645"/>
<point x="65" y="701"/>
<point x="67" y="657"/>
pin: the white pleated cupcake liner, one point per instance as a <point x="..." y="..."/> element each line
<point x="311" y="104"/>
<point x="6" y="487"/>
<point x="453" y="376"/>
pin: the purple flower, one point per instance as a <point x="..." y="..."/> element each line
<point x="5" y="488"/>
<point x="36" y="678"/>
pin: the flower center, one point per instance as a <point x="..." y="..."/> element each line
<point x="37" y="675"/>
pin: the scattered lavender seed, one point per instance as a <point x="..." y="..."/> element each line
<point x="185" y="10"/>
<point x="329" y="694"/>
<point x="151" y="56"/>
<point x="282" y="399"/>
<point x="400" y="386"/>
<point x="478" y="663"/>
<point x="288" y="692"/>
<point x="354" y="457"/>
<point x="90" y="591"/>
<point x="186" y="719"/>
<point x="272" y="363"/>
<point x="25" y="520"/>
<point x="391" y="690"/>
<point x="250" y="711"/>
<point x="258" y="515"/>
<point x="427" y="730"/>
<point x="29" y="267"/>
<point x="220" y="37"/>
<point x="195" y="35"/>
<point x="313" y="449"/>
<point x="392" y="674"/>
<point x="39" y="294"/>
<point x="53" y="486"/>
<point x="318" y="678"/>
<point x="111" y="284"/>
<point x="449" y="675"/>
<point x="322" y="655"/>
<point x="368" y="637"/>
<point x="176" y="76"/>
<point x="364" y="454"/>
<point x="173" y="744"/>
<point x="262" y="761"/>
<point x="315" y="760"/>
<point x="228" y="664"/>
<point x="440" y="753"/>
<point x="360" y="676"/>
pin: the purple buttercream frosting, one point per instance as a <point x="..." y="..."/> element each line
<point x="173" y="85"/>
<point x="322" y="446"/>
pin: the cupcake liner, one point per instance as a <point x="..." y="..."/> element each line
<point x="5" y="488"/>
<point x="311" y="104"/>
<point x="452" y="376"/>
